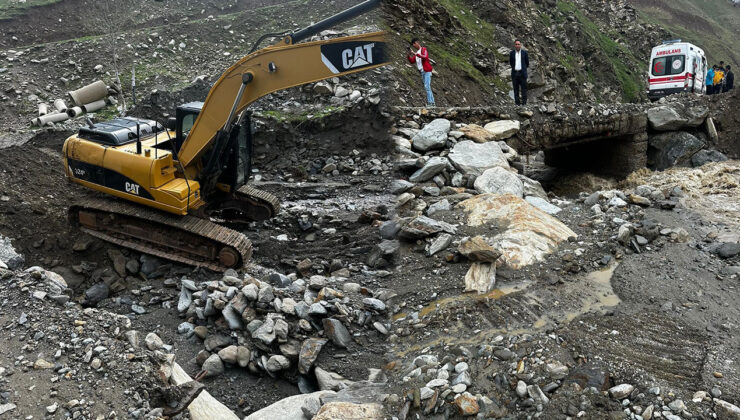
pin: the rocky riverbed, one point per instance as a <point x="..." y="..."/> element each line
<point x="425" y="263"/>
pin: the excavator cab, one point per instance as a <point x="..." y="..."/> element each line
<point x="185" y="117"/>
<point x="235" y="164"/>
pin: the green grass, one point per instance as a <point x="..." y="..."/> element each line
<point x="617" y="55"/>
<point x="300" y="117"/>
<point x="718" y="44"/>
<point x="458" y="63"/>
<point x="455" y="53"/>
<point x="545" y="18"/>
<point x="11" y="8"/>
<point x="468" y="19"/>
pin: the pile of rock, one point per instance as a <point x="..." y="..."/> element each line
<point x="522" y="375"/>
<point x="279" y="324"/>
<point x="76" y="353"/>
<point x="682" y="134"/>
<point x="466" y="173"/>
<point x="624" y="213"/>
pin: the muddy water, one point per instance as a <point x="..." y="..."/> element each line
<point x="524" y="308"/>
<point x="712" y="191"/>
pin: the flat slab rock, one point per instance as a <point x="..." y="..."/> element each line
<point x="472" y="158"/>
<point x="529" y="233"/>
<point x="350" y="411"/>
<point x="289" y="408"/>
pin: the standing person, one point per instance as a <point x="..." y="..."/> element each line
<point x="420" y="56"/>
<point x="719" y="74"/>
<point x="519" y="61"/>
<point x="729" y="79"/>
<point x="710" y="81"/>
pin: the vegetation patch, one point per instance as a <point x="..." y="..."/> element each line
<point x="11" y="8"/>
<point x="298" y="117"/>
<point x="615" y="53"/>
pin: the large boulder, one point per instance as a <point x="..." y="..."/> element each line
<point x="527" y="233"/>
<point x="434" y="166"/>
<point x="477" y="133"/>
<point x="532" y="188"/>
<point x="675" y="117"/>
<point x="499" y="181"/>
<point x="502" y="130"/>
<point x="471" y="158"/>
<point x="12" y="259"/>
<point x="290" y="408"/>
<point x="670" y="149"/>
<point x="432" y="136"/>
<point x="702" y="157"/>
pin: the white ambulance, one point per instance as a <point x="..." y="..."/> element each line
<point x="675" y="67"/>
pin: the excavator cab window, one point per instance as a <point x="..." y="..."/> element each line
<point x="186" y="115"/>
<point x="187" y="123"/>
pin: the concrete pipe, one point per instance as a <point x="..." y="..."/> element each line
<point x="75" y="112"/>
<point x="60" y="105"/>
<point x="43" y="109"/>
<point x="90" y="93"/>
<point x="51" y="118"/>
<point x="94" y="106"/>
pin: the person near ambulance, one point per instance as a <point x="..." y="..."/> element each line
<point x="420" y="56"/>
<point x="710" y="81"/>
<point x="729" y="79"/>
<point x="719" y="75"/>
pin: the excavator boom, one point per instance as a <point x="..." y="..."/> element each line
<point x="275" y="68"/>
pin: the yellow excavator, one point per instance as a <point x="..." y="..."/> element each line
<point x="175" y="177"/>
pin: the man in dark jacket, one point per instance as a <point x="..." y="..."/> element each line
<point x="729" y="79"/>
<point x="519" y="61"/>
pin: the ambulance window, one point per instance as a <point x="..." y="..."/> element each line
<point x="659" y="66"/>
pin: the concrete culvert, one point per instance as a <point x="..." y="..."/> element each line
<point x="90" y="93"/>
<point x="93" y="106"/>
<point x="60" y="106"/>
<point x="75" y="112"/>
<point x="43" y="109"/>
<point x="50" y="118"/>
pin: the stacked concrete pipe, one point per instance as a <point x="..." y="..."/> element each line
<point x="88" y="98"/>
<point x="60" y="106"/>
<point x="50" y="118"/>
<point x="88" y="94"/>
<point x="94" y="106"/>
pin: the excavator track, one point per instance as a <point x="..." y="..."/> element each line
<point x="247" y="204"/>
<point x="185" y="239"/>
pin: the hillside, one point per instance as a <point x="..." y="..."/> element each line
<point x="712" y="24"/>
<point x="595" y="51"/>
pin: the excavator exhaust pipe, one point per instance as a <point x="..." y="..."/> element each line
<point x="90" y="93"/>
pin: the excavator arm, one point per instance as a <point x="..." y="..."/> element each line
<point x="278" y="67"/>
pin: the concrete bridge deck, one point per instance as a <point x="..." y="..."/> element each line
<point x="609" y="138"/>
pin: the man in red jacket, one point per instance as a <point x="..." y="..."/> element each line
<point x="420" y="56"/>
